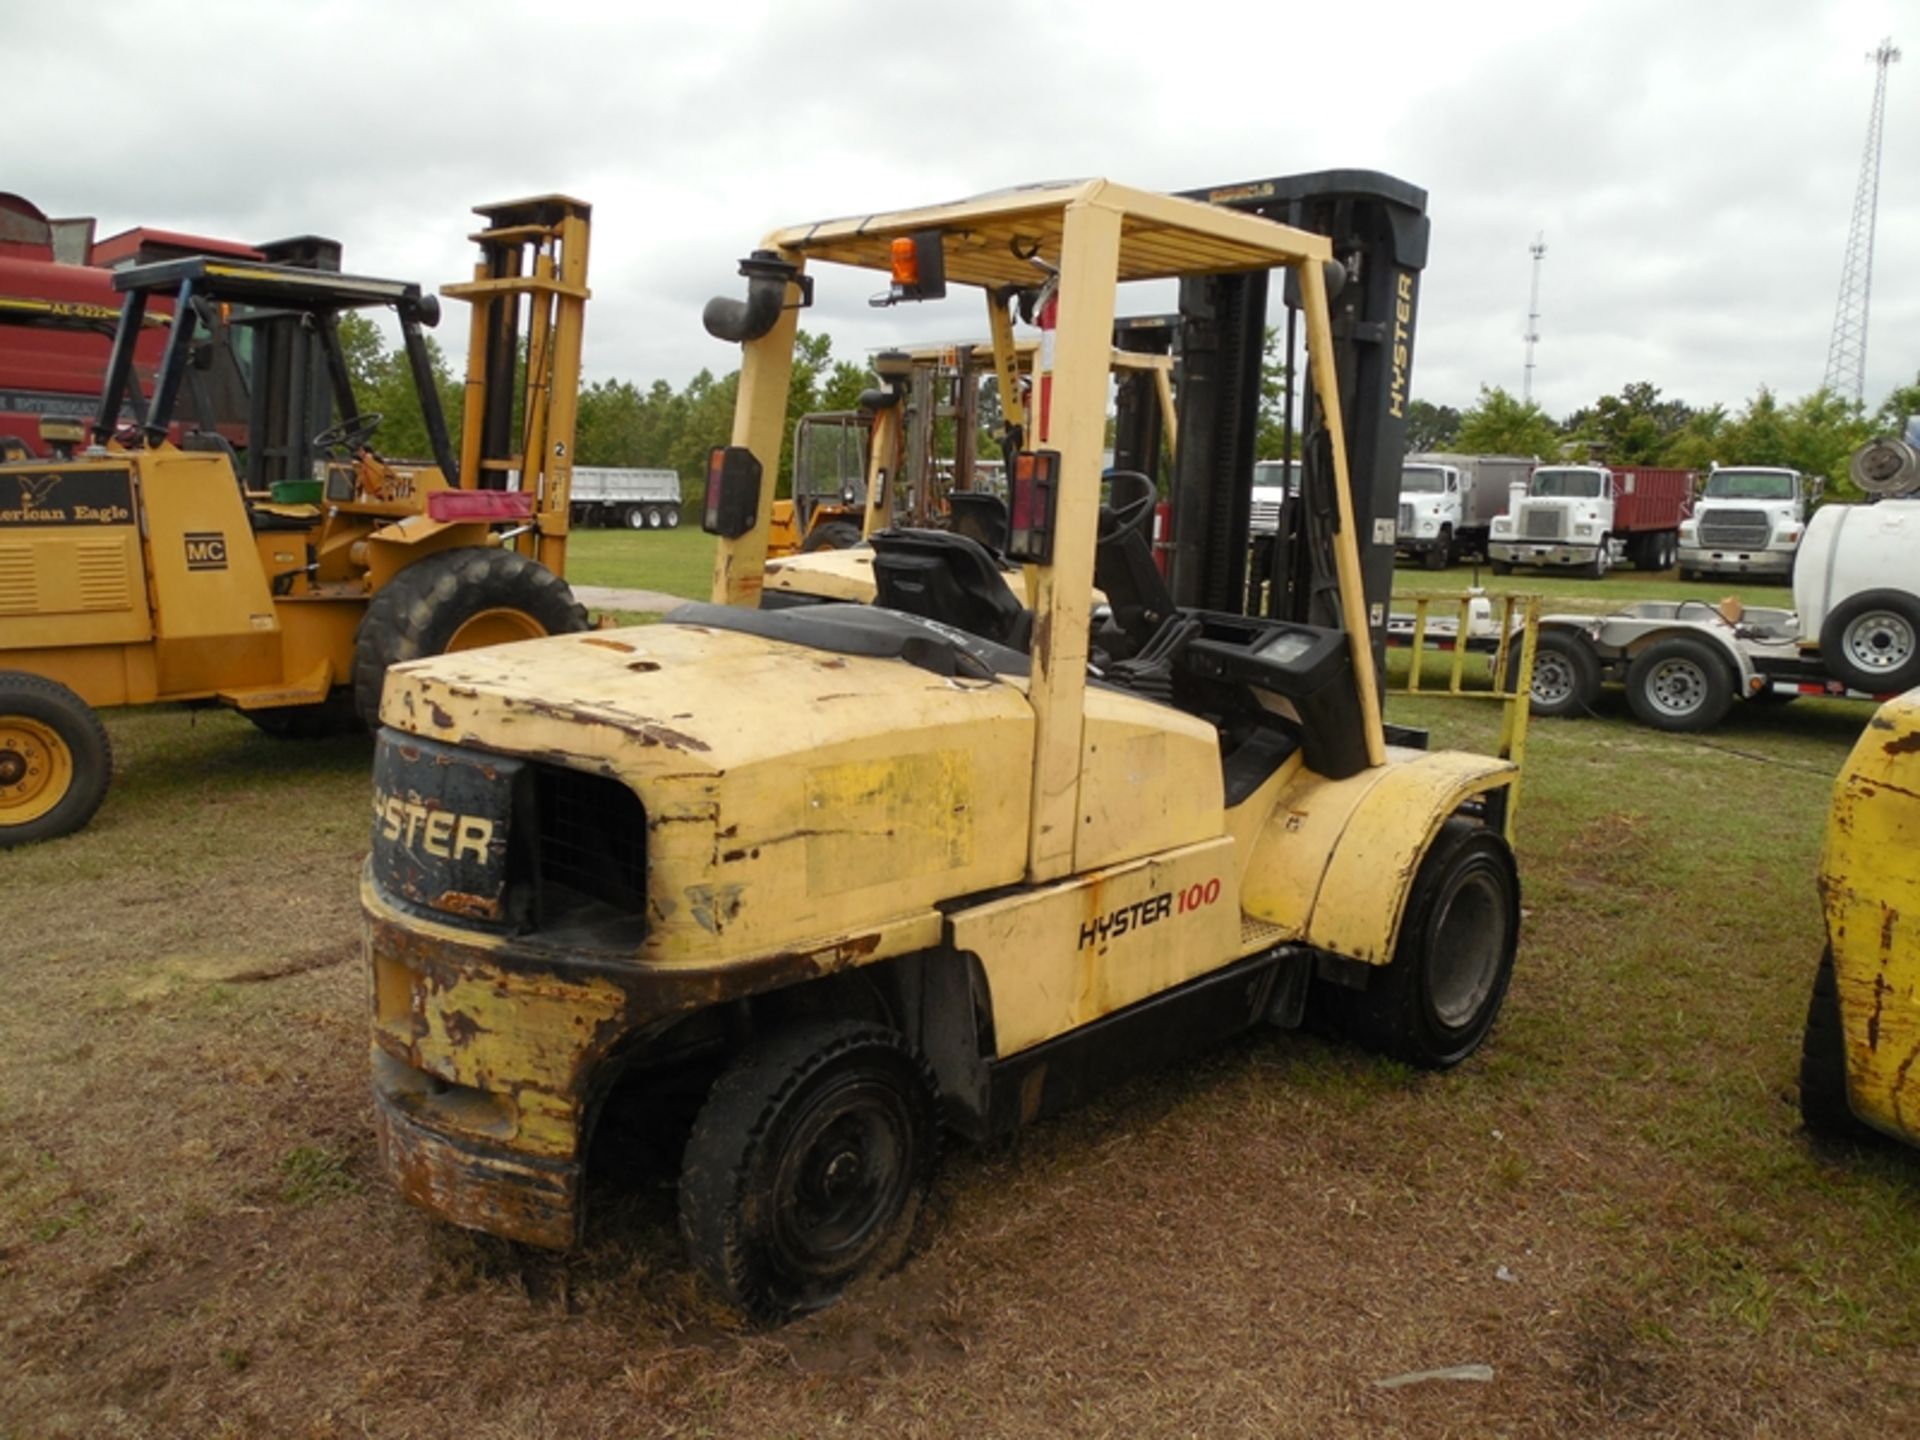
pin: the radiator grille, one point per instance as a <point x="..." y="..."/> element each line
<point x="102" y="567"/>
<point x="1406" y="519"/>
<point x="593" y="838"/>
<point x="17" y="594"/>
<point x="1735" y="529"/>
<point x="1265" y="518"/>
<point x="1543" y="522"/>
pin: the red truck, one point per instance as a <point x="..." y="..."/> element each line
<point x="1587" y="516"/>
<point x="57" y="313"/>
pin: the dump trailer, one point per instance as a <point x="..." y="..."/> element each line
<point x="1588" y="516"/>
<point x="1448" y="504"/>
<point x="637" y="499"/>
<point x="142" y="571"/>
<point x="858" y="874"/>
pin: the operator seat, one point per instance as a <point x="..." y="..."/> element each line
<point x="943" y="576"/>
<point x="980" y="516"/>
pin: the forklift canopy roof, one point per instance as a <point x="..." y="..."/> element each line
<point x="993" y="239"/>
<point x="285" y="287"/>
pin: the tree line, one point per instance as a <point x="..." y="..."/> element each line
<point x="1816" y="434"/>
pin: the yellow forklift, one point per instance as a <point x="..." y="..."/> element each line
<point x="142" y="571"/>
<point x="860" y="873"/>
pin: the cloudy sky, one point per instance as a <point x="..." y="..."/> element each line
<point x="1692" y="165"/>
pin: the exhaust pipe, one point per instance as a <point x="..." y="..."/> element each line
<point x="768" y="276"/>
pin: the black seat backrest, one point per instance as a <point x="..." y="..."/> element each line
<point x="1123" y="562"/>
<point x="980" y="516"/>
<point x="942" y="576"/>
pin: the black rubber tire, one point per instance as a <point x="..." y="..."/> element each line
<point x="634" y="517"/>
<point x="336" y="715"/>
<point x="1824" y="1108"/>
<point x="673" y="517"/>
<point x="1689" y="575"/>
<point x="1885" y="627"/>
<point x="49" y="705"/>
<point x="1680" y="684"/>
<point x="1568" y="668"/>
<point x="1399" y="1013"/>
<point x="834" y="535"/>
<point x="848" y="1087"/>
<point x="1602" y="562"/>
<point x="654" y="518"/>
<point x="1438" y="557"/>
<point x="1501" y="567"/>
<point x="427" y="603"/>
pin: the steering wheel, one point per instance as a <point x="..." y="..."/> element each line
<point x="351" y="434"/>
<point x="1133" y="497"/>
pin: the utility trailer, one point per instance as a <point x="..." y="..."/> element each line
<point x="637" y="499"/>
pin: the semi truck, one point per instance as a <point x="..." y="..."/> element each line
<point x="1448" y="504"/>
<point x="637" y="499"/>
<point x="1747" y="521"/>
<point x="1579" y="515"/>
<point x="1854" y="631"/>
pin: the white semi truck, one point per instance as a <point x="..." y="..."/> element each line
<point x="637" y="499"/>
<point x="1587" y="516"/>
<point x="1747" y="521"/>
<point x="1448" y="504"/>
<point x="1854" y="630"/>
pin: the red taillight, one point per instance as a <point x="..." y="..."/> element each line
<point x="1030" y="496"/>
<point x="731" y="504"/>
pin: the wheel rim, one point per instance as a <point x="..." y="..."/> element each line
<point x="635" y="520"/>
<point x="36" y="769"/>
<point x="1879" y="642"/>
<point x="653" y="519"/>
<point x="1469" y="940"/>
<point x="1603" y="559"/>
<point x="842" y="1177"/>
<point x="1553" y="679"/>
<point x="1677" y="687"/>
<point x="499" y="626"/>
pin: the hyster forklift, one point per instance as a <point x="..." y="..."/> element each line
<point x="143" y="570"/>
<point x="858" y="874"/>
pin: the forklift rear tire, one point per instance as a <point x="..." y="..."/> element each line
<point x="1437" y="1000"/>
<point x="55" y="760"/>
<point x="1824" y="1108"/>
<point x="457" y="600"/>
<point x="808" y="1165"/>
<point x="834" y="535"/>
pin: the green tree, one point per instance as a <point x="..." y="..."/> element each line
<point x="1635" y="427"/>
<point x="1431" y="427"/>
<point x="1891" y="417"/>
<point x="1271" y="440"/>
<point x="1498" y="424"/>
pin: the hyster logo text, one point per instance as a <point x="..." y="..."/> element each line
<point x="1402" y="346"/>
<point x="440" y="833"/>
<point x="1141" y="913"/>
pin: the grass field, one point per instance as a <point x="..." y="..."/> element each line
<point x="1612" y="1205"/>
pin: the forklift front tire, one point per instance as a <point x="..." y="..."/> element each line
<point x="1437" y="1000"/>
<point x="457" y="600"/>
<point x="1824" y="1108"/>
<point x="808" y="1165"/>
<point x="55" y="760"/>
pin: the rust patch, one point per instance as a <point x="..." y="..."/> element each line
<point x="1905" y="745"/>
<point x="643" y="667"/>
<point x="439" y="715"/>
<point x="458" y="902"/>
<point x="461" y="1027"/>
<point x="606" y="644"/>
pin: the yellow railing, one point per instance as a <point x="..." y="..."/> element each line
<point x="1515" y="623"/>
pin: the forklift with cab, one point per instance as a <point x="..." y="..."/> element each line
<point x="143" y="570"/>
<point x="863" y="873"/>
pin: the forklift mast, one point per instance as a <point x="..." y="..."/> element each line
<point x="1378" y="226"/>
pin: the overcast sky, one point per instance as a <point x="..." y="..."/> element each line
<point x="1692" y="165"/>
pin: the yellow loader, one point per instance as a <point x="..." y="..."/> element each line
<point x="140" y="571"/>
<point x="860" y="874"/>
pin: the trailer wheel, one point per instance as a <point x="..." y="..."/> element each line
<point x="654" y="521"/>
<point x="833" y="535"/>
<point x="1566" y="675"/>
<point x="808" y="1165"/>
<point x="55" y="760"/>
<point x="1871" y="641"/>
<point x="1824" y="1108"/>
<point x="457" y="600"/>
<point x="634" y="517"/>
<point x="1438" y="999"/>
<point x="673" y="517"/>
<point x="1680" y="683"/>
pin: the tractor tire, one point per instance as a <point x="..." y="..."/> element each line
<point x="55" y="760"/>
<point x="1566" y="675"/>
<point x="808" y="1165"/>
<point x="335" y="715"/>
<point x="1438" y="999"/>
<point x="1680" y="684"/>
<point x="1824" y="1108"/>
<point x="634" y="517"/>
<point x="834" y="535"/>
<point x="1871" y="641"/>
<point x="457" y="600"/>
